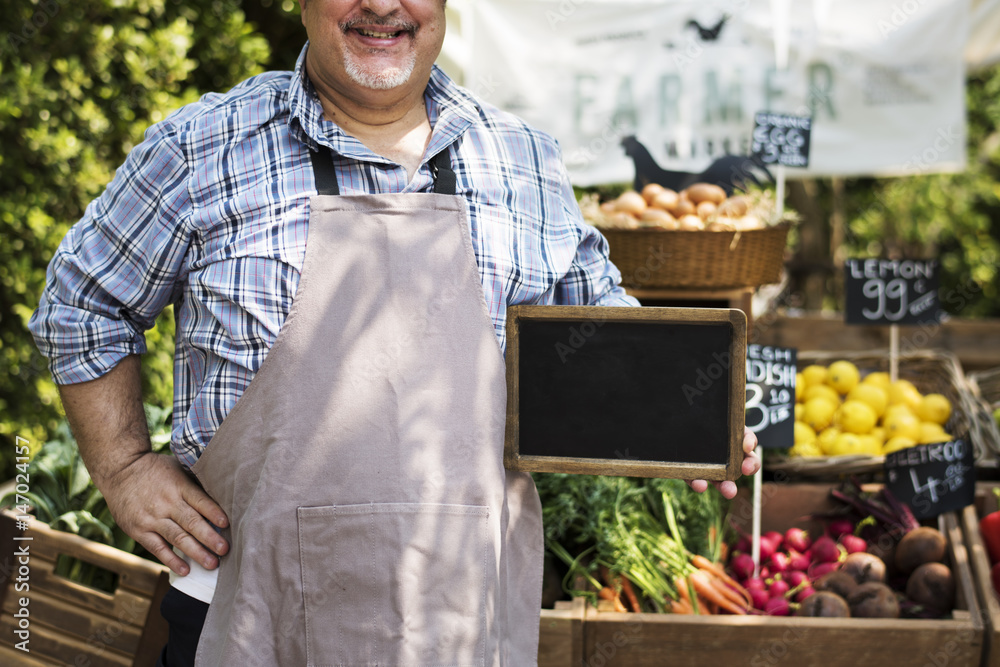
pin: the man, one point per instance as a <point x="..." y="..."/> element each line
<point x="356" y="489"/>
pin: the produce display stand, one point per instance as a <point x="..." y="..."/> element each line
<point x="985" y="389"/>
<point x="73" y="624"/>
<point x="988" y="600"/>
<point x="652" y="640"/>
<point x="931" y="371"/>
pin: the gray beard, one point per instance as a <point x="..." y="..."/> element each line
<point x="381" y="80"/>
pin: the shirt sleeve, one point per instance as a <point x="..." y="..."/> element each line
<point x="592" y="280"/>
<point x="118" y="267"/>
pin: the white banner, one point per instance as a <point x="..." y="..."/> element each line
<point x="883" y="81"/>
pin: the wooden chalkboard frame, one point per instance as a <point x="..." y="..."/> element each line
<point x="516" y="461"/>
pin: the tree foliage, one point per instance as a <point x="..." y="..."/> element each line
<point x="81" y="82"/>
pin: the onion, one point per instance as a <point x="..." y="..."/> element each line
<point x="650" y="191"/>
<point x="630" y="201"/>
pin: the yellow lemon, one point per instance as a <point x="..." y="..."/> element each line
<point x="821" y="391"/>
<point x="804" y="434"/>
<point x="799" y="409"/>
<point x="870" y="445"/>
<point x="826" y="437"/>
<point x="856" y="417"/>
<point x="806" y="449"/>
<point x="813" y="374"/>
<point x="934" y="408"/>
<point x="872" y="394"/>
<point x="877" y="378"/>
<point x="842" y="376"/>
<point x="879" y="434"/>
<point x="902" y="423"/>
<point x="800" y="387"/>
<point x="902" y="392"/>
<point x="896" y="444"/>
<point x="818" y="413"/>
<point x="846" y="444"/>
<point x="931" y="433"/>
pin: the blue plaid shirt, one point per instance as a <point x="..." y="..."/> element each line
<point x="211" y="212"/>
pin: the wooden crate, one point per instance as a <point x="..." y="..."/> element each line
<point x="653" y="640"/>
<point x="73" y="624"/>
<point x="989" y="602"/>
<point x="560" y="639"/>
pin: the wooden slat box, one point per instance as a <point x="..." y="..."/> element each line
<point x="988" y="600"/>
<point x="70" y="623"/>
<point x="653" y="640"/>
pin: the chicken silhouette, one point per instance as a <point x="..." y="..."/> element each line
<point x="730" y="172"/>
<point x="708" y="34"/>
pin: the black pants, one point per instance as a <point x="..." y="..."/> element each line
<point x="186" y="616"/>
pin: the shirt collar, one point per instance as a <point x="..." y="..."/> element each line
<point x="450" y="109"/>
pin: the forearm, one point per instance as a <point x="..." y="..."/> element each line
<point x="108" y="421"/>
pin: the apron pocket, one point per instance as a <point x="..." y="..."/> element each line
<point x="395" y="584"/>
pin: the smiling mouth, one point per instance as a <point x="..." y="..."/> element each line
<point x="377" y="34"/>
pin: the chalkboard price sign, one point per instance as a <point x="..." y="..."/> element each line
<point x="891" y="291"/>
<point x="644" y="392"/>
<point x="781" y="139"/>
<point x="932" y="479"/>
<point x="771" y="394"/>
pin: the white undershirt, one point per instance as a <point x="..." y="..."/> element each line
<point x="199" y="583"/>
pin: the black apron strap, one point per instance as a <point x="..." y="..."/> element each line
<point x="445" y="181"/>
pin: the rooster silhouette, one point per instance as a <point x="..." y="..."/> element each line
<point x="708" y="34"/>
<point x="730" y="172"/>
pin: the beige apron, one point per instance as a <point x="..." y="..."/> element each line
<point x="372" y="521"/>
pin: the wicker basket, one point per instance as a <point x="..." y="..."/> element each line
<point x="985" y="389"/>
<point x="931" y="371"/>
<point x="656" y="258"/>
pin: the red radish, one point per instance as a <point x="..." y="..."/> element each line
<point x="839" y="527"/>
<point x="854" y="544"/>
<point x="779" y="562"/>
<point x="743" y="545"/>
<point x="765" y="572"/>
<point x="777" y="607"/>
<point x="804" y="593"/>
<point x="741" y="565"/>
<point x="797" y="561"/>
<point x="824" y="550"/>
<point x="795" y="577"/>
<point x="768" y="547"/>
<point x="797" y="539"/>
<point x="759" y="598"/>
<point x="755" y="584"/>
<point x="817" y="570"/>
<point x="778" y="588"/>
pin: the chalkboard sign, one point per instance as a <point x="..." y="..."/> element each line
<point x="932" y="479"/>
<point x="644" y="392"/>
<point x="771" y="394"/>
<point x="891" y="291"/>
<point x="781" y="139"/>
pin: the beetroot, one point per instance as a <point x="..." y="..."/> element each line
<point x="797" y="539"/>
<point x="824" y="604"/>
<point x="839" y="527"/>
<point x="825" y="550"/>
<point x="799" y="561"/>
<point x="920" y="545"/>
<point x="873" y="600"/>
<point x="864" y="567"/>
<point x="836" y="582"/>
<point x="742" y="566"/>
<point x="853" y="544"/>
<point x="932" y="585"/>
<point x="777" y="607"/>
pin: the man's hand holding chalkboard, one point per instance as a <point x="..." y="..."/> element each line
<point x="751" y="464"/>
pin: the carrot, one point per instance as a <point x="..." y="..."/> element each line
<point x="705" y="587"/>
<point x="682" y="585"/>
<point x="680" y="607"/>
<point x="633" y="599"/>
<point x="703" y="563"/>
<point x="608" y="593"/>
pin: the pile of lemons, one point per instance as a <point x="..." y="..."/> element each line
<point x="837" y="413"/>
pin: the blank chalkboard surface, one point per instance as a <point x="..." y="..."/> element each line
<point x="655" y="392"/>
